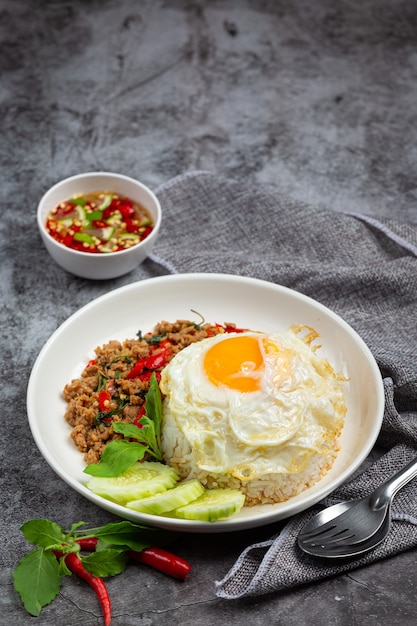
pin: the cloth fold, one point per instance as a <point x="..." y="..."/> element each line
<point x="362" y="268"/>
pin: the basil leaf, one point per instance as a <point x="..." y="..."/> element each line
<point x="126" y="535"/>
<point x="153" y="339"/>
<point x="106" y="562"/>
<point x="37" y="580"/>
<point x="153" y="404"/>
<point x="150" y="433"/>
<point x="149" y="436"/>
<point x="151" y="421"/>
<point x="129" y="430"/>
<point x="117" y="457"/>
<point x="43" y="533"/>
<point x="75" y="526"/>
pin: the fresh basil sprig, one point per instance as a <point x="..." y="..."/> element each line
<point x="119" y="455"/>
<point x="38" y="575"/>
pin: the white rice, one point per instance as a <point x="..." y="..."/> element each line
<point x="266" y="489"/>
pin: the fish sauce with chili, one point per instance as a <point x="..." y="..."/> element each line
<point x="99" y="222"/>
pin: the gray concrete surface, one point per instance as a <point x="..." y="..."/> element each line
<point x="316" y="99"/>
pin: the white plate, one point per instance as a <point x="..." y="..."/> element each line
<point x="219" y="298"/>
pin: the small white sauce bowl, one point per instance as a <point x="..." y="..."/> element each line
<point x="99" y="266"/>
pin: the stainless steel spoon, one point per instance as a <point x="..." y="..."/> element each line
<point x="350" y="528"/>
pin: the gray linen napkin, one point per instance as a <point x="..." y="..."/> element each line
<point x="363" y="269"/>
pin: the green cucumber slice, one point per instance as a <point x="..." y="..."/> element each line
<point x="169" y="500"/>
<point x="213" y="505"/>
<point x="139" y="481"/>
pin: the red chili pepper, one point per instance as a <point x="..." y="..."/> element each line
<point x="51" y="225"/>
<point x="146" y="232"/>
<point x="67" y="240"/>
<point x="145" y="377"/>
<point x="154" y="361"/>
<point x="139" y="416"/>
<point x="232" y="329"/>
<point x="163" y="561"/>
<point x="136" y="370"/>
<point x="131" y="225"/>
<point x="88" y="543"/>
<point x="62" y="211"/>
<point x="99" y="224"/>
<point x="109" y="211"/>
<point x="159" y="559"/>
<point x="91" y="363"/>
<point x="74" y="564"/>
<point x="227" y="328"/>
<point x="126" y="209"/>
<point x="104" y="398"/>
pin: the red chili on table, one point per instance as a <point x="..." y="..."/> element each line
<point x="99" y="223"/>
<point x="155" y="557"/>
<point x="163" y="561"/>
<point x="74" y="564"/>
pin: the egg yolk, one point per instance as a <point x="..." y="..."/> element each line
<point x="236" y="362"/>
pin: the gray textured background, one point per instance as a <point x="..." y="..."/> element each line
<point x="316" y="99"/>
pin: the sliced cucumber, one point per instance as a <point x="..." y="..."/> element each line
<point x="139" y="481"/>
<point x="169" y="500"/>
<point x="213" y="505"/>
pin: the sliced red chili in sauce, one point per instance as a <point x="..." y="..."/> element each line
<point x="99" y="223"/>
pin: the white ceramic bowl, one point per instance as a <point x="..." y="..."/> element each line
<point x="99" y="266"/>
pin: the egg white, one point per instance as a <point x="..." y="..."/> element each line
<point x="297" y="411"/>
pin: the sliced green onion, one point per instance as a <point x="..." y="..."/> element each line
<point x="83" y="237"/>
<point x="94" y="215"/>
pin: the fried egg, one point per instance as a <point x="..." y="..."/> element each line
<point x="251" y="404"/>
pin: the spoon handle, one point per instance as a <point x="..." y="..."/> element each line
<point x="388" y="489"/>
